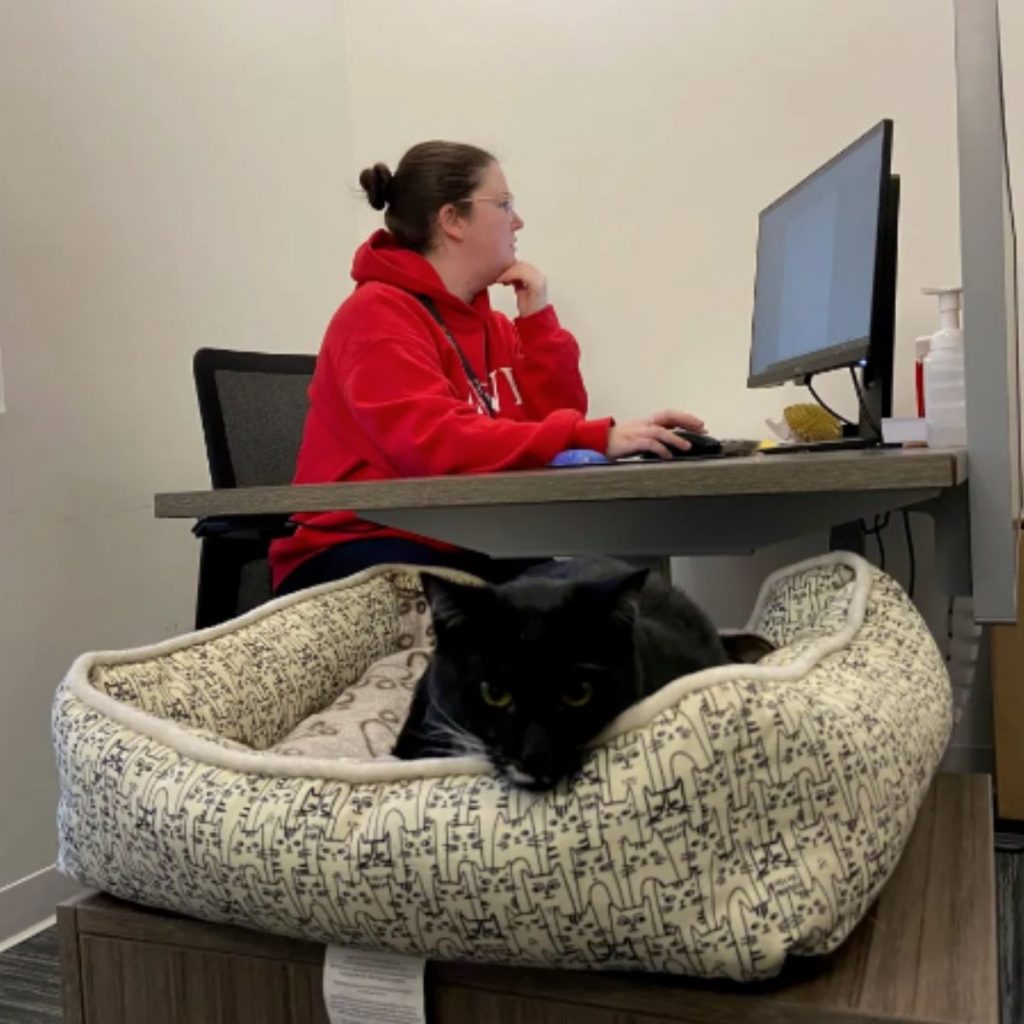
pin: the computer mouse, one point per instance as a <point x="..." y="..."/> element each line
<point x="579" y="457"/>
<point x="700" y="445"/>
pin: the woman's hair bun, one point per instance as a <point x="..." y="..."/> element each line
<point x="376" y="182"/>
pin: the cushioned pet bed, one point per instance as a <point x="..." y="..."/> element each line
<point x="738" y="815"/>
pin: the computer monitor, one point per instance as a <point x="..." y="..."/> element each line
<point x="825" y="286"/>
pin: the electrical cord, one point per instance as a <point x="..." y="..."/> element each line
<point x="861" y="402"/>
<point x="876" y="532"/>
<point x="828" y="408"/>
<point x="872" y="422"/>
<point x="880" y="524"/>
<point x="910" y="553"/>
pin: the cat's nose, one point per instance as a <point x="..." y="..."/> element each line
<point x="537" y="757"/>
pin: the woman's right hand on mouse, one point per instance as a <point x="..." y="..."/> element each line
<point x="651" y="435"/>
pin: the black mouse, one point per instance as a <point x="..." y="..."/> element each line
<point x="700" y="445"/>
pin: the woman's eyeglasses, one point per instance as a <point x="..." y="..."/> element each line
<point x="505" y="203"/>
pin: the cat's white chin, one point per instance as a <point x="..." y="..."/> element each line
<point x="519" y="777"/>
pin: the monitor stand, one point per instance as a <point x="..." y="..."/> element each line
<point x="829" y="446"/>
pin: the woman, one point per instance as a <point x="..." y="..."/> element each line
<point x="418" y="376"/>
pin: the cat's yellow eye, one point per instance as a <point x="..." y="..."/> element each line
<point x="579" y="695"/>
<point x="495" y="697"/>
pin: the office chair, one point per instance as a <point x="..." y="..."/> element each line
<point x="253" y="407"/>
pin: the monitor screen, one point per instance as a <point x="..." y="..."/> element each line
<point x="817" y="261"/>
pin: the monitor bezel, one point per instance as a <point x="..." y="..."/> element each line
<point x="855" y="351"/>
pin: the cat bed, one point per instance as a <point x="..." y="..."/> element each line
<point x="737" y="816"/>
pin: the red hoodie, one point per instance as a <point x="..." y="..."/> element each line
<point x="389" y="397"/>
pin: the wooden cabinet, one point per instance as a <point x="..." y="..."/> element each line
<point x="1008" y="709"/>
<point x="925" y="952"/>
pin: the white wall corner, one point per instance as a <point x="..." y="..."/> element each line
<point x="32" y="900"/>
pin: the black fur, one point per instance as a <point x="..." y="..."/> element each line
<point x="559" y="651"/>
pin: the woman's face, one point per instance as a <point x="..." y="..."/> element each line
<point x="490" y="228"/>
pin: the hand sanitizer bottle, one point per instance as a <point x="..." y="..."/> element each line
<point x="921" y="346"/>
<point x="945" y="398"/>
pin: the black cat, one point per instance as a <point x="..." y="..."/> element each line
<point x="528" y="672"/>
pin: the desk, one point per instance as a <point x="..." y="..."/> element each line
<point x="714" y="506"/>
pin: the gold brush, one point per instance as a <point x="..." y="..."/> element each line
<point x="810" y="423"/>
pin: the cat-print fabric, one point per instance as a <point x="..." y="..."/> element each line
<point x="737" y="816"/>
<point x="367" y="717"/>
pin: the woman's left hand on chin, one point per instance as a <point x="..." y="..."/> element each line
<point x="530" y="284"/>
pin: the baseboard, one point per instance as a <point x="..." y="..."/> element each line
<point x="29" y="902"/>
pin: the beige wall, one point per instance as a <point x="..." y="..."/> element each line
<point x="170" y="179"/>
<point x="642" y="139"/>
<point x="178" y="174"/>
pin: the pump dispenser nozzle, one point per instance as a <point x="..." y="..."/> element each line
<point x="949" y="306"/>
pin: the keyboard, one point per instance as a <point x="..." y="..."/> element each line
<point x="732" y="447"/>
<point x="738" y="446"/>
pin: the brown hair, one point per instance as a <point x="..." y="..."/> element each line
<point x="429" y="176"/>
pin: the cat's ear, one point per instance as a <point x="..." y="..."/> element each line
<point x="746" y="648"/>
<point x="615" y="589"/>
<point x="451" y="604"/>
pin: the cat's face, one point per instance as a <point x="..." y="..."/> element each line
<point x="533" y="670"/>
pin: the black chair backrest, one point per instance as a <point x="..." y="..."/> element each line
<point x="253" y="407"/>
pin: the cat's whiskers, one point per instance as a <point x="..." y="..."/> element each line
<point x="440" y="741"/>
<point x="448" y="720"/>
<point x="461" y="740"/>
<point x="434" y="742"/>
<point x="455" y="727"/>
<point x="459" y="743"/>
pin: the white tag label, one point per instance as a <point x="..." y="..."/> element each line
<point x="365" y="987"/>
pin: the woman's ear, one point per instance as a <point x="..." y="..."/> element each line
<point x="451" y="223"/>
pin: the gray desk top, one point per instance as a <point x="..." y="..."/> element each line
<point x="835" y="472"/>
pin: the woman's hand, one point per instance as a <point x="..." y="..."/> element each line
<point x="652" y="435"/>
<point x="530" y="284"/>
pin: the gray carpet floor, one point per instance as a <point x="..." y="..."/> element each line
<point x="30" y="977"/>
<point x="30" y="981"/>
<point x="1010" y="901"/>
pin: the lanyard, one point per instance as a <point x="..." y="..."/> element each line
<point x="485" y="399"/>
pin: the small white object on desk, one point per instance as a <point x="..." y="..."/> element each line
<point x="909" y="430"/>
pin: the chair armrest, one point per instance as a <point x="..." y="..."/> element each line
<point x="247" y="528"/>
